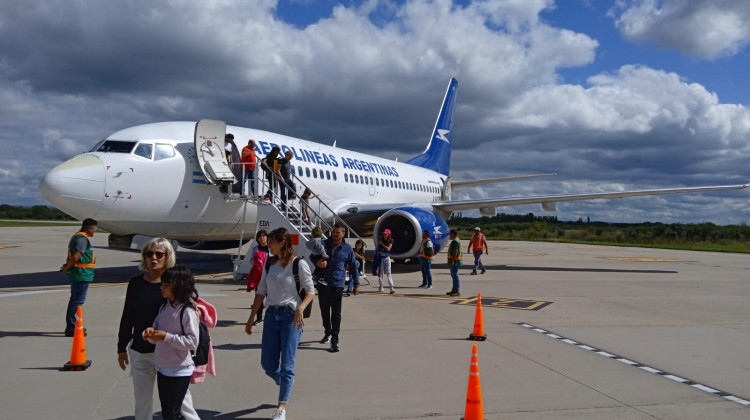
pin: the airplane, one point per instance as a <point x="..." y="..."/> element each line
<point x="152" y="180"/>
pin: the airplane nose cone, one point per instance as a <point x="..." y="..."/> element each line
<point x="75" y="186"/>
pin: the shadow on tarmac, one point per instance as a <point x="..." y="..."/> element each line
<point x="210" y="414"/>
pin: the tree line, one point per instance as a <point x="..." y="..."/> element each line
<point x="39" y="212"/>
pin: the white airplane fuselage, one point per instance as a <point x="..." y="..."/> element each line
<point x="168" y="196"/>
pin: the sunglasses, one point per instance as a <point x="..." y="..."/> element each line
<point x="158" y="254"/>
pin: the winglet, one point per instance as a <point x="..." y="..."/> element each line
<point x="437" y="156"/>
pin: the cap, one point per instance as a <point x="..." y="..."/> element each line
<point x="387" y="231"/>
<point x="478" y="228"/>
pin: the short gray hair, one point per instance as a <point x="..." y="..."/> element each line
<point x="162" y="243"/>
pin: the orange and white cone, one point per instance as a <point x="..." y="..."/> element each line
<point x="478" y="333"/>
<point x="474" y="409"/>
<point x="78" y="353"/>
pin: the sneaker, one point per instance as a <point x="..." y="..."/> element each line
<point x="428" y="286"/>
<point x="258" y="321"/>
<point x="484" y="271"/>
<point x="380" y="289"/>
<point x="451" y="292"/>
<point x="347" y="294"/>
<point x="393" y="291"/>
<point x="473" y="273"/>
<point x="334" y="348"/>
<point x="423" y="286"/>
<point x="455" y="294"/>
<point x="278" y="414"/>
<point x="326" y="339"/>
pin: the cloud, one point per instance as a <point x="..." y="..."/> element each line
<point x="706" y="29"/>
<point x="371" y="77"/>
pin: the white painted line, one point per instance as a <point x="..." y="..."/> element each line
<point x="642" y="367"/>
<point x="676" y="378"/>
<point x="650" y="369"/>
<point x="705" y="388"/>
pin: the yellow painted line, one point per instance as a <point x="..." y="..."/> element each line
<point x="490" y="302"/>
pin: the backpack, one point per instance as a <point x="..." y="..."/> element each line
<point x="200" y="356"/>
<point x="302" y="292"/>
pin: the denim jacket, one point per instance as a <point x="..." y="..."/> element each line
<point x="335" y="271"/>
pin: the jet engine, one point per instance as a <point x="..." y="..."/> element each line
<point x="406" y="225"/>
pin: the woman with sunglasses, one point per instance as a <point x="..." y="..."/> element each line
<point x="282" y="327"/>
<point x="142" y="302"/>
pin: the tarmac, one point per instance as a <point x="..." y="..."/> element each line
<point x="573" y="332"/>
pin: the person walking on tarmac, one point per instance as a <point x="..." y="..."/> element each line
<point x="330" y="295"/>
<point x="425" y="259"/>
<point x="79" y="269"/>
<point x="455" y="261"/>
<point x="477" y="244"/>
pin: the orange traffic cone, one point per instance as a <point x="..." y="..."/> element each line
<point x="478" y="334"/>
<point x="474" y="409"/>
<point x="78" y="353"/>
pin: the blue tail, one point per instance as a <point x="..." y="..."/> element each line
<point x="437" y="156"/>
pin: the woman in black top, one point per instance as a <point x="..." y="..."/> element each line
<point x="142" y="302"/>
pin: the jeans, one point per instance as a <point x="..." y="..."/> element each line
<point x="288" y="183"/>
<point x="250" y="179"/>
<point x="454" y="276"/>
<point x="426" y="273"/>
<point x="385" y="271"/>
<point x="478" y="260"/>
<point x="279" y="348"/>
<point x="143" y="371"/>
<point x="172" y="390"/>
<point x="78" y="291"/>
<point x="329" y="299"/>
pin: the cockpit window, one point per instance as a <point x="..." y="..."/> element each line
<point x="116" y="146"/>
<point x="164" y="151"/>
<point x="144" y="150"/>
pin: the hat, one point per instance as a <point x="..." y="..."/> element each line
<point x="387" y="231"/>
<point x="478" y="228"/>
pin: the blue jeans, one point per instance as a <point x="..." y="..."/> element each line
<point x="478" y="260"/>
<point x="78" y="291"/>
<point x="250" y="178"/>
<point x="454" y="276"/>
<point x="426" y="273"/>
<point x="279" y="348"/>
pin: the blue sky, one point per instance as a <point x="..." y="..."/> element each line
<point x="610" y="95"/>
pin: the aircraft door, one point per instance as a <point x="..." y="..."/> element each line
<point x="209" y="150"/>
<point x="373" y="187"/>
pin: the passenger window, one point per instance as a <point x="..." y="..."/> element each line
<point x="334" y="176"/>
<point x="346" y="177"/>
<point x="315" y="173"/>
<point x="307" y="172"/>
<point x="164" y="151"/>
<point x="144" y="150"/>
<point x="328" y="175"/>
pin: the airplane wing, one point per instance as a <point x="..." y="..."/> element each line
<point x="549" y="200"/>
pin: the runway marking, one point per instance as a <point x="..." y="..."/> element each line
<point x="696" y="385"/>
<point x="489" y="302"/>
<point x="642" y="259"/>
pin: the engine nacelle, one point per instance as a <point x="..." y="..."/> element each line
<point x="406" y="225"/>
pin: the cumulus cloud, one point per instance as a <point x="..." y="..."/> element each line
<point x="703" y="28"/>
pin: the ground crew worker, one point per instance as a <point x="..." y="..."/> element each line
<point x="249" y="160"/>
<point x="79" y="268"/>
<point x="455" y="261"/>
<point x="478" y="243"/>
<point x="425" y="259"/>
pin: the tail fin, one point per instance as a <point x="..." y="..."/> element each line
<point x="437" y="156"/>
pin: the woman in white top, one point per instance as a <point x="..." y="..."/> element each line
<point x="282" y="327"/>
